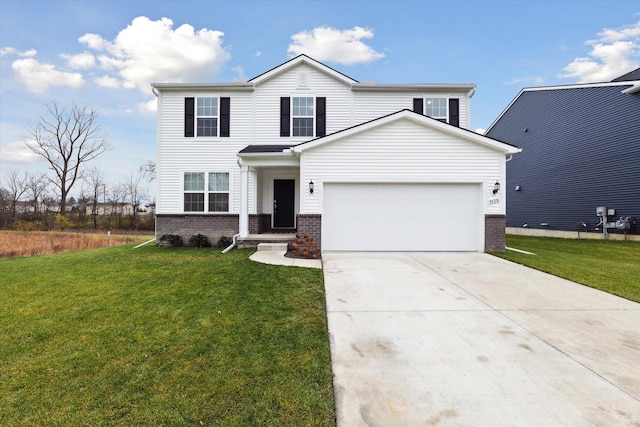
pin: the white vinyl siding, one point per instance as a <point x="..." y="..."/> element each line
<point x="401" y="151"/>
<point x="177" y="154"/>
<point x="369" y="105"/>
<point x="267" y="103"/>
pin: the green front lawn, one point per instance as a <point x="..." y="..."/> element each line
<point x="149" y="336"/>
<point x="609" y="265"/>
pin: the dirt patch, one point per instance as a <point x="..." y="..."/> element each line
<point x="304" y="247"/>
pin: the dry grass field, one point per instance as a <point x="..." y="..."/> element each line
<point x="28" y="243"/>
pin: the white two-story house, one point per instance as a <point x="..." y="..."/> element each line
<point x="357" y="166"/>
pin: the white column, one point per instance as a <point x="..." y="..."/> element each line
<point x="244" y="201"/>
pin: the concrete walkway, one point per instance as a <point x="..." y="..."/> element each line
<point x="473" y="340"/>
<point x="278" y="258"/>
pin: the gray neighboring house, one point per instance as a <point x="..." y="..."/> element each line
<point x="581" y="151"/>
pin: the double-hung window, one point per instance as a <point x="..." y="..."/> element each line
<point x="218" y="192"/>
<point x="302" y="113"/>
<point x="207" y="116"/>
<point x="216" y="196"/>
<point x="194" y="191"/>
<point x="436" y="108"/>
<point x="444" y="109"/>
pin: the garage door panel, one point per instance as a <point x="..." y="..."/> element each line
<point x="408" y="217"/>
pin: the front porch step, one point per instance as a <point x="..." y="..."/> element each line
<point x="255" y="240"/>
<point x="280" y="247"/>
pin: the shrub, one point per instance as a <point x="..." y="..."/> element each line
<point x="172" y="240"/>
<point x="62" y="222"/>
<point x="199" y="241"/>
<point x="224" y="242"/>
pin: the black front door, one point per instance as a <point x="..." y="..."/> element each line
<point x="284" y="203"/>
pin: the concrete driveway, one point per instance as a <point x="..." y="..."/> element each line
<point x="421" y="339"/>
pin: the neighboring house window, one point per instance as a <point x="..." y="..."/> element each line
<point x="218" y="192"/>
<point x="437" y="109"/>
<point x="207" y="116"/>
<point x="303" y="116"/>
<point x="215" y="198"/>
<point x="194" y="191"/>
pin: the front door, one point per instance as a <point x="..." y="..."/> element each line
<point x="284" y="203"/>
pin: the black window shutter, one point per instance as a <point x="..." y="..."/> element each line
<point x="321" y="116"/>
<point x="188" y="117"/>
<point x="454" y="112"/>
<point x="285" y="112"/>
<point x="418" y="105"/>
<point x="225" y="109"/>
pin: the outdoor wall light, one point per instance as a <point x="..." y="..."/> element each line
<point x="496" y="187"/>
<point x="311" y="187"/>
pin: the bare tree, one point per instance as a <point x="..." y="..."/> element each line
<point x="148" y="170"/>
<point x="67" y="139"/>
<point x="17" y="185"/>
<point x="95" y="180"/>
<point x="135" y="192"/>
<point x="36" y="188"/>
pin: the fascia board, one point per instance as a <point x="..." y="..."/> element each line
<point x="422" y="120"/>
<point x="413" y="87"/>
<point x="302" y="59"/>
<point x="182" y="87"/>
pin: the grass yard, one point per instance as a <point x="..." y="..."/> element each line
<point x="608" y="265"/>
<point x="150" y="336"/>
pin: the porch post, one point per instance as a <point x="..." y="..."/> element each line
<point x="244" y="201"/>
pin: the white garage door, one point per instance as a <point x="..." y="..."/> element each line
<point x="402" y="217"/>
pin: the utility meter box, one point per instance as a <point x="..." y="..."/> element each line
<point x="600" y="210"/>
<point x="623" y="223"/>
<point x="611" y="212"/>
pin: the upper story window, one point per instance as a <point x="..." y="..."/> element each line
<point x="302" y="114"/>
<point x="207" y="116"/>
<point x="436" y="108"/>
<point x="216" y="196"/>
<point x="444" y="109"/>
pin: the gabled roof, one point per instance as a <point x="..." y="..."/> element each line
<point x="302" y="59"/>
<point x="626" y="87"/>
<point x="631" y="75"/>
<point x="417" y="118"/>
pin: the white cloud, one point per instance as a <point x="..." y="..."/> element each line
<point x="80" y="61"/>
<point x="107" y="81"/>
<point x="614" y="53"/>
<point x="18" y="152"/>
<point x="38" y="77"/>
<point x="240" y="75"/>
<point x="521" y="81"/>
<point x="152" y="51"/>
<point x="329" y="44"/>
<point x="12" y="51"/>
<point x="149" y="107"/>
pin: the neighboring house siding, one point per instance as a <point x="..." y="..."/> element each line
<point x="267" y="103"/>
<point x="581" y="149"/>
<point x="406" y="152"/>
<point x="371" y="105"/>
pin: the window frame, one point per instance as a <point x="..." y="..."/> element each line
<point x="445" y="99"/>
<point x="205" y="192"/>
<point x="197" y="116"/>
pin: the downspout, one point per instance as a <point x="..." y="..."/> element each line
<point x="232" y="245"/>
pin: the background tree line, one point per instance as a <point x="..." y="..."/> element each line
<point x="69" y="139"/>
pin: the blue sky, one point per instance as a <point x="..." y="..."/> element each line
<point x="104" y="54"/>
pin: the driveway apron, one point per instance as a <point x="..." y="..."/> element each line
<point x="421" y="339"/>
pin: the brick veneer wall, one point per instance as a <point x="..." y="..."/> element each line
<point x="213" y="226"/>
<point x="259" y="223"/>
<point x="494" y="233"/>
<point x="311" y="224"/>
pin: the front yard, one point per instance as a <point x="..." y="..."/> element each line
<point x="117" y="336"/>
<point x="609" y="265"/>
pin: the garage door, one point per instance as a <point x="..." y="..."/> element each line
<point x="402" y="217"/>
